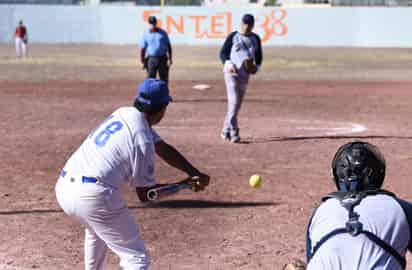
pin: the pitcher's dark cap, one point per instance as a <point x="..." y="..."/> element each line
<point x="248" y="19"/>
<point x="152" y="20"/>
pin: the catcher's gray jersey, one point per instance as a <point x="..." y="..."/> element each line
<point x="381" y="215"/>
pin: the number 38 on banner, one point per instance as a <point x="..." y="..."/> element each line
<point x="274" y="24"/>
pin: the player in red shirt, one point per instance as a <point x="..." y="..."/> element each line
<point x="21" y="39"/>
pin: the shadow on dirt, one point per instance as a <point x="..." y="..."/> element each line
<point x="334" y="137"/>
<point x="33" y="211"/>
<point x="224" y="100"/>
<point x="160" y="204"/>
<point x="204" y="204"/>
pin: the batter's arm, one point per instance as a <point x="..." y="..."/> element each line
<point x="174" y="158"/>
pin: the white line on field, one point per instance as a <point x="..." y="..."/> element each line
<point x="181" y="127"/>
<point x="343" y="128"/>
<point x="329" y="128"/>
<point x="10" y="267"/>
<point x="353" y="128"/>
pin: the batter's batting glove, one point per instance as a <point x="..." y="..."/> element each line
<point x="296" y="264"/>
<point x="199" y="182"/>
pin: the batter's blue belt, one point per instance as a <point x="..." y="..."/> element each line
<point x="85" y="179"/>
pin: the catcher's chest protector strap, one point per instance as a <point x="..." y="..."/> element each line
<point x="353" y="225"/>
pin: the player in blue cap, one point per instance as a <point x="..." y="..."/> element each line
<point x="120" y="150"/>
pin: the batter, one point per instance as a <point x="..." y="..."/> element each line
<point x="120" y="150"/>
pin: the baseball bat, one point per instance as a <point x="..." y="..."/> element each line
<point x="159" y="192"/>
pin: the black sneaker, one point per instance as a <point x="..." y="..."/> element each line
<point x="225" y="136"/>
<point x="234" y="137"/>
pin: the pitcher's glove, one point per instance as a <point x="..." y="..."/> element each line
<point x="250" y="66"/>
<point x="295" y="264"/>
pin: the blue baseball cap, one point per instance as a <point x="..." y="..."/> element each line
<point x="153" y="92"/>
<point x="248" y="19"/>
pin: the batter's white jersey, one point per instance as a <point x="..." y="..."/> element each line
<point x="120" y="149"/>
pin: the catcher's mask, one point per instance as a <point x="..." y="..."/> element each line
<point x="358" y="166"/>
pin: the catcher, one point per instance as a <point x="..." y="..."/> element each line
<point x="361" y="226"/>
<point x="241" y="55"/>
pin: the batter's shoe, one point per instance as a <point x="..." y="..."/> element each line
<point x="225" y="136"/>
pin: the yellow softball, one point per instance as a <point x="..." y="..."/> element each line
<point x="255" y="181"/>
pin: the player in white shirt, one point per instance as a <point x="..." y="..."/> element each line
<point x="361" y="226"/>
<point x="240" y="47"/>
<point x="120" y="150"/>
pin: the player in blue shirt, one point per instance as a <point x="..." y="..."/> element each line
<point x="156" y="51"/>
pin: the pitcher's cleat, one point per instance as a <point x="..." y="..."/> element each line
<point x="225" y="136"/>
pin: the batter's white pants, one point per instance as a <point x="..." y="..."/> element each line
<point x="108" y="222"/>
<point x="21" y="47"/>
<point x="236" y="86"/>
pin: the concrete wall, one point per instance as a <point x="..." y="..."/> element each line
<point x="376" y="27"/>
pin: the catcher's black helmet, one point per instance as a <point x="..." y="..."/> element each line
<point x="358" y="166"/>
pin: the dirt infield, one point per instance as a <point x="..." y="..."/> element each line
<point x="304" y="104"/>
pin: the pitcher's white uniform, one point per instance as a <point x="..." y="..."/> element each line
<point x="120" y="150"/>
<point x="237" y="48"/>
